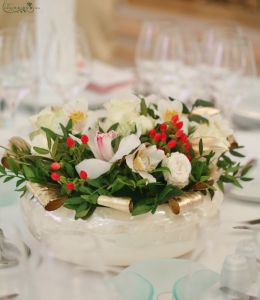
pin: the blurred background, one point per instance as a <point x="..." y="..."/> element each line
<point x="112" y="26"/>
<point x="52" y="52"/>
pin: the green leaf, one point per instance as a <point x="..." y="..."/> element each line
<point x="92" y="199"/>
<point x="115" y="142"/>
<point x="168" y="192"/>
<point x="49" y="133"/>
<point x="185" y="109"/>
<point x="246" y="179"/>
<point x="19" y="182"/>
<point x="113" y="127"/>
<point x="97" y="183"/>
<point x="85" y="190"/>
<point x="191" y="130"/>
<point x="220" y="185"/>
<point x="235" y="153"/>
<point x="143" y="107"/>
<point x="74" y="201"/>
<point x="69" y="126"/>
<point x="8" y="179"/>
<point x="198" y="119"/>
<point x="54" y="148"/>
<point x="28" y="172"/>
<point x="151" y="113"/>
<point x="41" y="150"/>
<point x="116" y="186"/>
<point x="201" y="147"/>
<point x="2" y="169"/>
<point x="70" y="170"/>
<point x="203" y="103"/>
<point x="12" y="165"/>
<point x="246" y="169"/>
<point x="161" y="169"/>
<point x="143" y="206"/>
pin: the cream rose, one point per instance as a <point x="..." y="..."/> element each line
<point x="144" y="123"/>
<point x="124" y="112"/>
<point x="180" y="169"/>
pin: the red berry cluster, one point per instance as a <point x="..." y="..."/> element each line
<point x="56" y="166"/>
<point x="170" y="137"/>
<point x="71" y="143"/>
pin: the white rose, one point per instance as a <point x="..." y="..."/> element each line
<point x="214" y="135"/>
<point x="124" y="112"/>
<point x="144" y="123"/>
<point x="50" y="117"/>
<point x="180" y="169"/>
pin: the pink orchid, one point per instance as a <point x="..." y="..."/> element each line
<point x="101" y="146"/>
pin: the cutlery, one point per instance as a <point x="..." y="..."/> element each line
<point x="10" y="296"/>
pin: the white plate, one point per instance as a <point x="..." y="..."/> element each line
<point x="247" y="114"/>
<point x="250" y="190"/>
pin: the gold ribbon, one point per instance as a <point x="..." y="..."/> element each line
<point x="124" y="204"/>
<point x="48" y="197"/>
<point x="185" y="202"/>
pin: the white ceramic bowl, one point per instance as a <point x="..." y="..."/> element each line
<point x="122" y="239"/>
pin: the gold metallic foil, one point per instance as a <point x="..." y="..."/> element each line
<point x="124" y="204"/>
<point x="185" y="202"/>
<point x="49" y="198"/>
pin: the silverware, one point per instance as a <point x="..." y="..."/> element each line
<point x="10" y="296"/>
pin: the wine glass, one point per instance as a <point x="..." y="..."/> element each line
<point x="177" y="54"/>
<point x="17" y="71"/>
<point x="145" y="54"/>
<point x="67" y="66"/>
<point x="14" y="264"/>
<point x="233" y="67"/>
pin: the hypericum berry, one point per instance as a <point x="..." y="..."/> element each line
<point x="84" y="139"/>
<point x="187" y="146"/>
<point x="184" y="139"/>
<point x="55" y="166"/>
<point x="175" y="119"/>
<point x="179" y="133"/>
<point x="163" y="127"/>
<point x="189" y="157"/>
<point x="70" y="142"/>
<point x="157" y="137"/>
<point x="179" y="125"/>
<point x="70" y="186"/>
<point x="83" y="175"/>
<point x="171" y="144"/>
<point x="55" y="176"/>
<point x="163" y="137"/>
<point x="152" y="133"/>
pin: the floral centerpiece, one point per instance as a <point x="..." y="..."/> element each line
<point x="132" y="156"/>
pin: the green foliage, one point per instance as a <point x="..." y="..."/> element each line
<point x="120" y="181"/>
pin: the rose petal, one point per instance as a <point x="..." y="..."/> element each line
<point x="94" y="167"/>
<point x="147" y="176"/>
<point x="127" y="144"/>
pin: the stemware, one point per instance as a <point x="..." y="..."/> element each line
<point x="145" y="54"/>
<point x="17" y="72"/>
<point x="231" y="66"/>
<point x="14" y="266"/>
<point x="177" y="53"/>
<point x="67" y="67"/>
